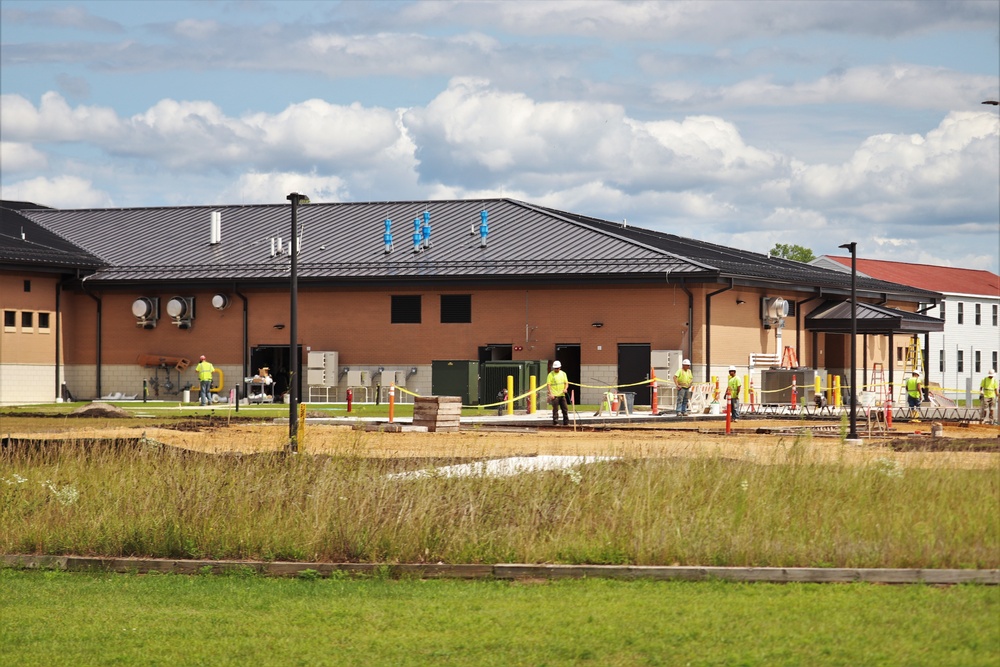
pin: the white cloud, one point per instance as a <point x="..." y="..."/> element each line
<point x="58" y="192"/>
<point x="274" y="187"/>
<point x="17" y="157"/>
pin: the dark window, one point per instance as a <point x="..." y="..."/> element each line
<point x="27" y="319"/>
<point x="456" y="308"/>
<point x="994" y="366"/>
<point x="27" y="285"/>
<point x="961" y="313"/>
<point x="960" y="362"/>
<point x="899" y="353"/>
<point x="978" y="362"/>
<point x="406" y="309"/>
<point x="941" y="361"/>
<point x="994" y="315"/>
<point x="43" y="320"/>
<point x="979" y="314"/>
<point x="9" y="318"/>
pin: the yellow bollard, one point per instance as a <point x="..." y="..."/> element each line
<point x="510" y="394"/>
<point x="533" y="397"/>
<point x="818" y="390"/>
<point x="836" y="390"/>
<point x="746" y="389"/>
<point x="302" y="428"/>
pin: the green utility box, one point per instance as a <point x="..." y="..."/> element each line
<point x="456" y="378"/>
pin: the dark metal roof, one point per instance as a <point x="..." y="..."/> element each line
<point x="26" y="244"/>
<point x="745" y="265"/>
<point x="835" y="317"/>
<point x="344" y="242"/>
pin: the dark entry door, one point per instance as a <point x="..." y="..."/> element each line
<point x="568" y="355"/>
<point x="275" y="357"/>
<point x="633" y="366"/>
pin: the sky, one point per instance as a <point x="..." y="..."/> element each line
<point x="812" y="123"/>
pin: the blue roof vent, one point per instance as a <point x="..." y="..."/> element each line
<point x="426" y="228"/>
<point x="417" y="235"/>
<point x="484" y="227"/>
<point x="387" y="237"/>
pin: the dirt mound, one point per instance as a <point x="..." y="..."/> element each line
<point x="100" y="410"/>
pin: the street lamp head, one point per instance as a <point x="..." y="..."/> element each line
<point x="848" y="246"/>
<point x="993" y="102"/>
<point x="296" y="198"/>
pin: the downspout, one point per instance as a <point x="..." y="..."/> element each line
<point x="59" y="285"/>
<point x="246" y="335"/>
<point x="690" y="320"/>
<point x="99" y="318"/>
<point x="798" y="326"/>
<point x="708" y="328"/>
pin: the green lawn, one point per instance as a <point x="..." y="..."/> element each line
<point x="55" y="618"/>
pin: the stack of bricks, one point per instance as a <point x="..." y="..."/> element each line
<point x="437" y="413"/>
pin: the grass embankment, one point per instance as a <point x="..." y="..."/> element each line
<point x="790" y="510"/>
<point x="49" y="618"/>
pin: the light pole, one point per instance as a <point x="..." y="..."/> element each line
<point x="293" y="347"/>
<point x="853" y="247"/>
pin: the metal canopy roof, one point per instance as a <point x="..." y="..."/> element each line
<point x="835" y="317"/>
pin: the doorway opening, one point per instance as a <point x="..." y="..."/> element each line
<point x="275" y="358"/>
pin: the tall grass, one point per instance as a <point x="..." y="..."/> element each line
<point x="788" y="510"/>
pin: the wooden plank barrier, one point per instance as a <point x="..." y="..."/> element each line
<point x="440" y="414"/>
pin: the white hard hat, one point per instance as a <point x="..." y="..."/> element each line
<point x="916" y="372"/>
<point x="556" y="364"/>
<point x="732" y="368"/>
<point x="686" y="362"/>
<point x="993" y="371"/>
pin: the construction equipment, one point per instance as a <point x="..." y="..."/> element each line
<point x="165" y="364"/>
<point x="914" y="361"/>
<point x="789" y="358"/>
<point x="878" y="385"/>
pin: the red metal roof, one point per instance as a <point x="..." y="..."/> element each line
<point x="938" y="278"/>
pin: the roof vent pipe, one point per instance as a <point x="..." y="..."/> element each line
<point x="484" y="227"/>
<point x="387" y="237"/>
<point x="417" y="235"/>
<point x="426" y="229"/>
<point x="215" y="234"/>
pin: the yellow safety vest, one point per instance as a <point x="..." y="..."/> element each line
<point x="204" y="370"/>
<point x="683" y="378"/>
<point x="912" y="384"/>
<point x="558" y="382"/>
<point x="989" y="387"/>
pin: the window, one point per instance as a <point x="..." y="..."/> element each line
<point x="960" y="362"/>
<point x="27" y="320"/>
<point x="994" y="315"/>
<point x="9" y="320"/>
<point x="979" y="314"/>
<point x="994" y="366"/>
<point x="961" y="313"/>
<point x="43" y="321"/>
<point x="27" y="285"/>
<point x="978" y="361"/>
<point x="941" y="361"/>
<point x="899" y="354"/>
<point x="456" y="308"/>
<point x="406" y="309"/>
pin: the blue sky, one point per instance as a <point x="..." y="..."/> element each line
<point x="742" y="123"/>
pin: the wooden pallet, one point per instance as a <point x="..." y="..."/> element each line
<point x="440" y="414"/>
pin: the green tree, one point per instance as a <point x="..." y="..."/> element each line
<point x="789" y="251"/>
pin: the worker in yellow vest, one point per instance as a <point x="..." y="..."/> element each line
<point x="557" y="384"/>
<point x="682" y="380"/>
<point x="988" y="397"/>
<point x="204" y="369"/>
<point x="914" y="394"/>
<point x="733" y="393"/>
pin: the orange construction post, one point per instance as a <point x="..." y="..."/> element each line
<point x="729" y="416"/>
<point x="795" y="392"/>
<point x="655" y="402"/>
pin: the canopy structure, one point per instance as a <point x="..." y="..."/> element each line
<point x="835" y="317"/>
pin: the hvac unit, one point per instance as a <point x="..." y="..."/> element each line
<point x="181" y="311"/>
<point x="323" y="369"/>
<point x="146" y="310"/>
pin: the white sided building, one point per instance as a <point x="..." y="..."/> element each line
<point x="957" y="358"/>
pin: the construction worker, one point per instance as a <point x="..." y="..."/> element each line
<point x="733" y="393"/>
<point x="914" y="393"/>
<point x="682" y="380"/>
<point x="558" y="384"/>
<point x="204" y="369"/>
<point x="988" y="397"/>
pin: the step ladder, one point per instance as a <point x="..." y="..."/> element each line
<point x="914" y="362"/>
<point x="789" y="359"/>
<point x="878" y="384"/>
